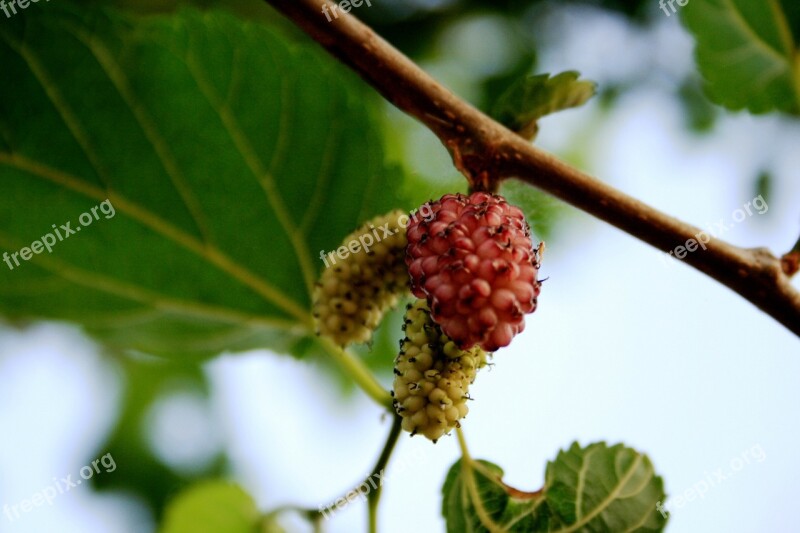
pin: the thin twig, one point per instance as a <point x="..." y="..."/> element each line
<point x="487" y="152"/>
<point x="374" y="497"/>
<point x="374" y="489"/>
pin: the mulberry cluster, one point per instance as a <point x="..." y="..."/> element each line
<point x="432" y="376"/>
<point x="353" y="293"/>
<point x="474" y="262"/>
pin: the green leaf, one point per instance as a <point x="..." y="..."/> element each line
<point x="597" y="488"/>
<point x="230" y="154"/>
<point x="212" y="507"/>
<point x="531" y="98"/>
<point x="747" y="52"/>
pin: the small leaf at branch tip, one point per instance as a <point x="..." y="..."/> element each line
<point x="790" y="263"/>
<point x="531" y="98"/>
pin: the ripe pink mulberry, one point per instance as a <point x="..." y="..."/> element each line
<point x="473" y="260"/>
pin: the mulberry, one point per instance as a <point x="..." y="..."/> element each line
<point x="474" y="262"/>
<point x="353" y="293"/>
<point x="432" y="376"/>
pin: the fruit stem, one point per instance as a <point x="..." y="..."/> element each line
<point x="373" y="498"/>
<point x="467" y="471"/>
<point x="358" y="372"/>
<point x="462" y="443"/>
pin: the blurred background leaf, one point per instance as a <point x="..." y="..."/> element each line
<point x="213" y="507"/>
<point x="747" y="52"/>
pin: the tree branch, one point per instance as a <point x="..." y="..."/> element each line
<point x="487" y="152"/>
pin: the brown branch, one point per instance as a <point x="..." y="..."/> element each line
<point x="487" y="152"/>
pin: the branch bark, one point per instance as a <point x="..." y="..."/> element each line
<point x="487" y="152"/>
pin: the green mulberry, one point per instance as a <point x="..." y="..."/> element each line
<point x="354" y="292"/>
<point x="432" y="376"/>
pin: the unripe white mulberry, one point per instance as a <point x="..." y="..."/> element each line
<point x="432" y="376"/>
<point x="353" y="293"/>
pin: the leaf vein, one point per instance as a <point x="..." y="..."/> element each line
<point x="162" y="227"/>
<point x="256" y="166"/>
<point x="63" y="109"/>
<point x="155" y="300"/>
<point x="601" y="506"/>
<point x="149" y="127"/>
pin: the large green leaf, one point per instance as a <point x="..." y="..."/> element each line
<point x="231" y="156"/>
<point x="592" y="489"/>
<point x="747" y="52"/>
